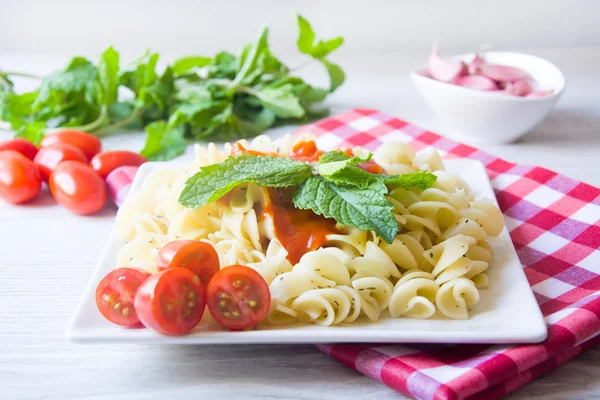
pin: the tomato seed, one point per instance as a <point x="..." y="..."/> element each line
<point x="191" y="295"/>
<point x="125" y="311"/>
<point x="108" y="298"/>
<point x="252" y="303"/>
<point x="117" y="306"/>
<point x="196" y="280"/>
<point x="236" y="284"/>
<point x="223" y="303"/>
<point x="191" y="304"/>
<point x="235" y="313"/>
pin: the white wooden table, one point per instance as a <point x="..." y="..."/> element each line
<point x="47" y="255"/>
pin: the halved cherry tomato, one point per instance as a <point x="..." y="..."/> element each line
<point x="89" y="145"/>
<point x="105" y="163"/>
<point x="306" y="151"/>
<point x="19" y="179"/>
<point x="49" y="157"/>
<point x="23" y="146"/>
<point x="115" y="294"/>
<point x="371" y="166"/>
<point x="199" y="257"/>
<point x="171" y="302"/>
<point x="238" y="297"/>
<point x="78" y="188"/>
<point x="238" y="149"/>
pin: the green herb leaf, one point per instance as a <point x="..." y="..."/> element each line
<point x="215" y="181"/>
<point x="345" y="172"/>
<point x="186" y="64"/>
<point x="251" y="58"/>
<point x="34" y="132"/>
<point x="109" y="70"/>
<point x="306" y="41"/>
<point x="422" y="179"/>
<point x="282" y="101"/>
<point x="163" y="142"/>
<point x="336" y="75"/>
<point x="365" y="209"/>
<point x="332" y="156"/>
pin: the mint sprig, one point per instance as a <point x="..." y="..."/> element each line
<point x="335" y="187"/>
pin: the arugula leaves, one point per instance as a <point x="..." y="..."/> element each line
<point x="335" y="187"/>
<point x="215" y="181"/>
<point x="196" y="97"/>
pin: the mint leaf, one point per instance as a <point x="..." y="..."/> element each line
<point x="365" y="209"/>
<point x="422" y="179"/>
<point x="109" y="70"/>
<point x="251" y="58"/>
<point x="215" y="181"/>
<point x="186" y="64"/>
<point x="345" y="172"/>
<point x="336" y="75"/>
<point x="319" y="50"/>
<point x="34" y="132"/>
<point x="332" y="156"/>
<point x="163" y="142"/>
<point x="282" y="101"/>
<point x="306" y="41"/>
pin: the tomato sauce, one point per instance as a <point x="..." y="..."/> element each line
<point x="299" y="231"/>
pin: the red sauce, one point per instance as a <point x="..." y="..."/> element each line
<point x="299" y="231"/>
<point x="306" y="151"/>
<point x="238" y="149"/>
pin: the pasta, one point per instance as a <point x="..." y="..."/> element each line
<point x="435" y="266"/>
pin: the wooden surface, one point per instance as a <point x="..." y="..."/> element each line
<point x="47" y="255"/>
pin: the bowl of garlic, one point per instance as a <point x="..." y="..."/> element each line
<point x="489" y="97"/>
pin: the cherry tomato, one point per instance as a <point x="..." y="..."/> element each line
<point x="19" y="179"/>
<point x="105" y="163"/>
<point x="78" y="188"/>
<point x="89" y="145"/>
<point x="23" y="146"/>
<point x="49" y="157"/>
<point x="115" y="294"/>
<point x="306" y="151"/>
<point x="238" y="297"/>
<point x="371" y="166"/>
<point x="199" y="257"/>
<point x="171" y="302"/>
<point x="238" y="149"/>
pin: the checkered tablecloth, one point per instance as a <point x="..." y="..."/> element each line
<point x="554" y="222"/>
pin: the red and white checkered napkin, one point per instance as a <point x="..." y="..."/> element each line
<point x="554" y="222"/>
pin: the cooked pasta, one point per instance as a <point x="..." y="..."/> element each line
<point x="435" y="266"/>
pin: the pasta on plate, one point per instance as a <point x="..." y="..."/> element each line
<point x="435" y="266"/>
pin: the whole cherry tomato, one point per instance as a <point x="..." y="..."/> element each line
<point x="89" y="145"/>
<point x="19" y="179"/>
<point x="48" y="158"/>
<point x="105" y="163"/>
<point x="23" y="146"/>
<point x="78" y="188"/>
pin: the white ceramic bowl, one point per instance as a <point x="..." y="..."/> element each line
<point x="478" y="116"/>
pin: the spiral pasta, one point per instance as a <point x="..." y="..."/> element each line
<point x="436" y="265"/>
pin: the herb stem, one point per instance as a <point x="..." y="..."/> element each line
<point x="302" y="65"/>
<point x="109" y="128"/>
<point x="21" y="74"/>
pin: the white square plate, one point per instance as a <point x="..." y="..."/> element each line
<point x="507" y="312"/>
